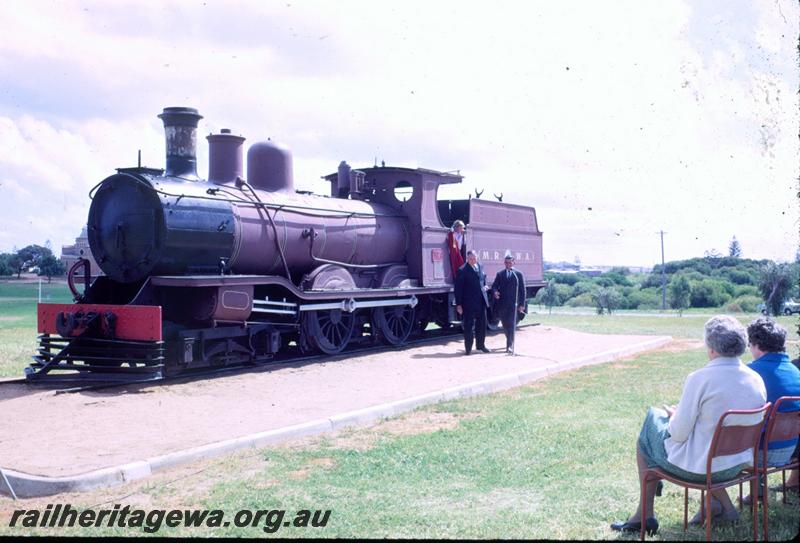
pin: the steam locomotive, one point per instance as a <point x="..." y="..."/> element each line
<point x="235" y="269"/>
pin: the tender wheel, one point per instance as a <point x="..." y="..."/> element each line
<point x="393" y="325"/>
<point x="328" y="331"/>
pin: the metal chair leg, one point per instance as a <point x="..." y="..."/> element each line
<point x="754" y="489"/>
<point x="783" y="488"/>
<point x="740" y="497"/>
<point x="643" y="501"/>
<point x="685" y="508"/>
<point x="765" y="510"/>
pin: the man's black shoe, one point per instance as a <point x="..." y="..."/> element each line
<point x="467" y="353"/>
<point x="484" y="350"/>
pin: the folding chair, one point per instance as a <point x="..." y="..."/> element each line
<point x="728" y="439"/>
<point x="780" y="427"/>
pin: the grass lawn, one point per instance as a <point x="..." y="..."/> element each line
<point x="553" y="460"/>
<point x="18" y="321"/>
<point x="688" y="326"/>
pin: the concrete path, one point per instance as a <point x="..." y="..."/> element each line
<point x="53" y="443"/>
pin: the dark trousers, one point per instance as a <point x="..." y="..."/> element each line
<point x="509" y="319"/>
<point x="474" y="318"/>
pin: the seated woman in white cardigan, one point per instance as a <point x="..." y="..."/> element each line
<point x="676" y="439"/>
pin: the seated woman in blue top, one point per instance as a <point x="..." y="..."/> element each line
<point x="768" y="346"/>
<point x="677" y="439"/>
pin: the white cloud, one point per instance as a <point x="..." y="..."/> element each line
<point x="655" y="115"/>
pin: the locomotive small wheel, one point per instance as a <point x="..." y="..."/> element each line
<point x="394" y="324"/>
<point x="329" y="331"/>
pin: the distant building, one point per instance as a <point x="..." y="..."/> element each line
<point x="71" y="253"/>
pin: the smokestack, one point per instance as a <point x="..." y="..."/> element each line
<point x="180" y="129"/>
<point x="225" y="157"/>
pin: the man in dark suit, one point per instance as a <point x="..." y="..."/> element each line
<point x="471" y="302"/>
<point x="508" y="289"/>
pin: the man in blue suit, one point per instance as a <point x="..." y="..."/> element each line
<point x="509" y="294"/>
<point x="471" y="302"/>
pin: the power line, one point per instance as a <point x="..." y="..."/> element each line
<point x="663" y="274"/>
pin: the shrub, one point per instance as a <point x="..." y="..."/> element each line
<point x="564" y="278"/>
<point x="748" y="303"/>
<point x="732" y="307"/>
<point x="581" y="300"/>
<point x="709" y="293"/>
<point x="564" y="293"/>
<point x="745" y="290"/>
<point x="649" y="298"/>
<point x="580" y="287"/>
<point x="739" y="277"/>
<point x="652" y="280"/>
<point x="611" y="278"/>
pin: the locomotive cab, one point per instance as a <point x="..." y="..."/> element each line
<point x="411" y="191"/>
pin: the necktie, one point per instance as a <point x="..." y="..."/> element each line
<point x="508" y="274"/>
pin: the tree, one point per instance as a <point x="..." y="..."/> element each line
<point x="775" y="284"/>
<point x="735" y="249"/>
<point x="16" y="264"/>
<point x="606" y="299"/>
<point x="712" y="257"/>
<point x="549" y="296"/>
<point x="5" y="264"/>
<point x="680" y="292"/>
<point x="50" y="266"/>
<point x="31" y="257"/>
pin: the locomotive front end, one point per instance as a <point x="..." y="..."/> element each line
<point x="144" y="221"/>
<point x="136" y="228"/>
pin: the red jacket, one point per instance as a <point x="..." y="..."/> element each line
<point x="456" y="258"/>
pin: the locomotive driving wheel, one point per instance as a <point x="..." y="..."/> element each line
<point x="328" y="330"/>
<point x="393" y="325"/>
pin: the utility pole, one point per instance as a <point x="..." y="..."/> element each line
<point x="663" y="275"/>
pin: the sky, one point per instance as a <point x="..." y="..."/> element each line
<point x="615" y="120"/>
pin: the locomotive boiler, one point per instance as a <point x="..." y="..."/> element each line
<point x="235" y="269"/>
